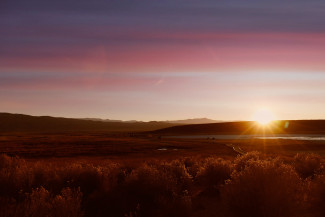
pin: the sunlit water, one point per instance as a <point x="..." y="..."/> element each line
<point x="293" y="137"/>
<point x="233" y="137"/>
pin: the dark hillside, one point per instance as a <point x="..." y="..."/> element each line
<point x="249" y="127"/>
<point x="21" y="123"/>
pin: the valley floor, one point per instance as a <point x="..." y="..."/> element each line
<point x="132" y="175"/>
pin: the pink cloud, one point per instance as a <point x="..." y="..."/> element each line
<point x="204" y="52"/>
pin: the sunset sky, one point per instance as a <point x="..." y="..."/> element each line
<point x="163" y="60"/>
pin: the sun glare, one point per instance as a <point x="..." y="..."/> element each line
<point x="263" y="116"/>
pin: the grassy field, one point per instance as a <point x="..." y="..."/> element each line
<point x="185" y="185"/>
<point x="101" y="173"/>
<point x="130" y="146"/>
<point x="105" y="145"/>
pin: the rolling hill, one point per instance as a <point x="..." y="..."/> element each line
<point x="248" y="127"/>
<point x="26" y="123"/>
<point x="183" y="122"/>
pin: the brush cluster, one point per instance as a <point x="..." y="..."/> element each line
<point x="250" y="185"/>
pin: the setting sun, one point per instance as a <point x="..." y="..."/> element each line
<point x="263" y="116"/>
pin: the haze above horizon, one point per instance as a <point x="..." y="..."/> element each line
<point x="163" y="60"/>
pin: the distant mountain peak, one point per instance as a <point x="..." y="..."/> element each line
<point x="194" y="121"/>
<point x="185" y="121"/>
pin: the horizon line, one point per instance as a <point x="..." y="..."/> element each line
<point x="135" y="120"/>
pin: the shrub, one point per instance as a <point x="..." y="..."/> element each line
<point x="264" y="188"/>
<point x="316" y="196"/>
<point x="192" y="165"/>
<point x="242" y="161"/>
<point x="14" y="176"/>
<point x="41" y="203"/>
<point x="307" y="165"/>
<point x="251" y="185"/>
<point x="213" y="173"/>
<point x="159" y="189"/>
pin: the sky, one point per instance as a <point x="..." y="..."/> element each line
<point x="163" y="60"/>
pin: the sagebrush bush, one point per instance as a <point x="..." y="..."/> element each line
<point x="192" y="165"/>
<point x="41" y="202"/>
<point x="264" y="188"/>
<point x="316" y="196"/>
<point x="213" y="173"/>
<point x="242" y="161"/>
<point x="160" y="189"/>
<point x="250" y="185"/>
<point x="12" y="172"/>
<point x="307" y="165"/>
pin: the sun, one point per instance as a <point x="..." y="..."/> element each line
<point x="263" y="116"/>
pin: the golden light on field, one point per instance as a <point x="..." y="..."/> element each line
<point x="263" y="116"/>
